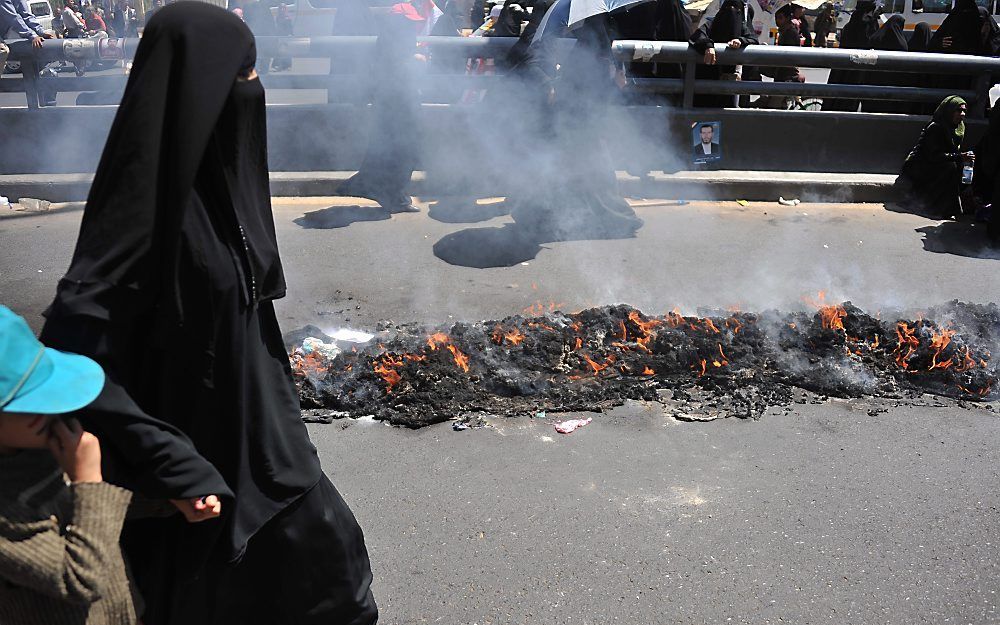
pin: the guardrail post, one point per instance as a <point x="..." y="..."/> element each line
<point x="689" y="71"/>
<point x="981" y="85"/>
<point x="29" y="73"/>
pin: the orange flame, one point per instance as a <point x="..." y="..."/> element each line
<point x="648" y="371"/>
<point x="674" y="318"/>
<point x="831" y="316"/>
<point x="461" y="360"/>
<point x="704" y="365"/>
<point x="939" y="341"/>
<point x="579" y="343"/>
<point x="967" y="362"/>
<point x="386" y="367"/>
<point x="711" y="326"/>
<point x="436" y="339"/>
<point x="514" y="337"/>
<point x="725" y="359"/>
<point x="598" y="367"/>
<point x="907" y="344"/>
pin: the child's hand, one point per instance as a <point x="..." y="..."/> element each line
<point x="199" y="508"/>
<point x="76" y="451"/>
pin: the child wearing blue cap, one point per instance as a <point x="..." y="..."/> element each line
<point x="60" y="561"/>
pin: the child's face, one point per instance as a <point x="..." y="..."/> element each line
<point x="20" y="430"/>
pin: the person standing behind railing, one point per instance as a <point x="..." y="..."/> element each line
<point x="75" y="28"/>
<point x="856" y="35"/>
<point x="890" y="38"/>
<point x="731" y="26"/>
<point x="14" y="15"/>
<point x="826" y="23"/>
<point x="968" y="29"/>
<point x="789" y="34"/>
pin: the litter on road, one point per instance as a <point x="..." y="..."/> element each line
<point x="570" y="426"/>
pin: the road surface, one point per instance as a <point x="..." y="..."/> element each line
<point x="831" y="512"/>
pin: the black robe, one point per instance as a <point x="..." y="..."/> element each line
<point x="393" y="138"/>
<point x="351" y="70"/>
<point x="663" y="20"/>
<point x="889" y="37"/>
<point x="574" y="192"/>
<point x="856" y="35"/>
<point x="170" y="289"/>
<point x="972" y="30"/>
<point x="931" y="175"/>
<point x="733" y="21"/>
<point x="986" y="178"/>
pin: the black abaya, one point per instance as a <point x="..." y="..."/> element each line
<point x="353" y="68"/>
<point x="931" y="175"/>
<point x="856" y="35"/>
<point x="170" y="290"/>
<point x="393" y="140"/>
<point x="889" y="37"/>
<point x="574" y="194"/>
<point x="971" y="30"/>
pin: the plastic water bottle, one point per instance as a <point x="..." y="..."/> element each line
<point x="966" y="174"/>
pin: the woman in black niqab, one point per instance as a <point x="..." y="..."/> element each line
<point x="968" y="29"/>
<point x="171" y="290"/>
<point x="889" y="37"/>
<point x="662" y="20"/>
<point x="856" y="35"/>
<point x="920" y="38"/>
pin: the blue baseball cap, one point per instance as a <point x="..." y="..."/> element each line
<point x="38" y="379"/>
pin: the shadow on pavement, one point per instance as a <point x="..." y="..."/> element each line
<point x="341" y="216"/>
<point x="465" y="210"/>
<point x="483" y="248"/>
<point x="962" y="238"/>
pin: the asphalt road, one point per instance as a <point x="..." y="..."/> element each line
<point x="825" y="513"/>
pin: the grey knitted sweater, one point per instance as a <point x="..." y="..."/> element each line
<point x="60" y="561"/>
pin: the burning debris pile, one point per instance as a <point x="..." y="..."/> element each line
<point x="601" y="357"/>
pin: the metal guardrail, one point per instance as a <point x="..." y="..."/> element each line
<point x="981" y="68"/>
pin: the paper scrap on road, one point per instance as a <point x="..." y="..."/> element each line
<point x="568" y="427"/>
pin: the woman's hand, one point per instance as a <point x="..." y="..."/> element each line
<point x="199" y="508"/>
<point x="709" y="56"/>
<point x="735" y="44"/>
<point x="76" y="451"/>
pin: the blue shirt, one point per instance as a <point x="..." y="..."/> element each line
<point x="14" y="14"/>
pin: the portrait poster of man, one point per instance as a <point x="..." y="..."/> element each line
<point x="706" y="138"/>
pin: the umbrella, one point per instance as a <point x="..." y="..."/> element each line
<point x="580" y="10"/>
<point x="553" y="24"/>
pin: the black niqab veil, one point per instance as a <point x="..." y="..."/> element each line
<point x="971" y="28"/>
<point x="730" y="22"/>
<point x="179" y="83"/>
<point x="920" y="39"/>
<point x="858" y="30"/>
<point x="170" y="285"/>
<point x="890" y="37"/>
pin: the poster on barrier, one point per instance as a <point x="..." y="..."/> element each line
<point x="706" y="140"/>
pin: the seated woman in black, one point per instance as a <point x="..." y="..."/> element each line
<point x="932" y="174"/>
